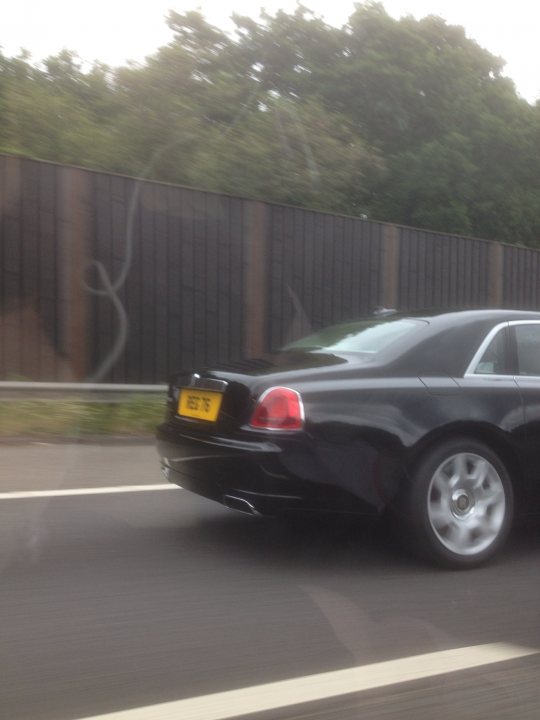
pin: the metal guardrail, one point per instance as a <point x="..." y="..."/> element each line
<point x="88" y="392"/>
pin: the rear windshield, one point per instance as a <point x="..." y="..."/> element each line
<point x="363" y="337"/>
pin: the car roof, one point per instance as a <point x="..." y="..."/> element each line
<point x="451" y="339"/>
<point x="496" y="315"/>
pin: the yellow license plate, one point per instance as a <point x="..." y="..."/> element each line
<point x="200" y="404"/>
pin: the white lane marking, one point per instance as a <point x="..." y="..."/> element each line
<point x="19" y="495"/>
<point x="235" y="703"/>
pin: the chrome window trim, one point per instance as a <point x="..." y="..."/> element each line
<point x="469" y="372"/>
<point x="525" y="322"/>
<point x="492" y="376"/>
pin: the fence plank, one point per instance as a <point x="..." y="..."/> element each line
<point x="390" y="266"/>
<point x="256" y="286"/>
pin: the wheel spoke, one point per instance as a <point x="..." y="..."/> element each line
<point x="479" y="473"/>
<point x="491" y="508"/>
<point x="441" y="482"/>
<point x="460" y="533"/>
<point x="485" y="526"/>
<point x="440" y="516"/>
<point x="460" y="464"/>
<point x="490" y="494"/>
<point x="460" y="468"/>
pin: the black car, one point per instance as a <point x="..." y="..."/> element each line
<point x="435" y="418"/>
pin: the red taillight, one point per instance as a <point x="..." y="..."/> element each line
<point x="279" y="408"/>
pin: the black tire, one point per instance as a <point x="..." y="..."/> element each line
<point x="459" y="504"/>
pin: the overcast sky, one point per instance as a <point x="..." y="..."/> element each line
<point x="114" y="31"/>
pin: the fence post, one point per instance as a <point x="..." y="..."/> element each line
<point x="10" y="278"/>
<point x="74" y="214"/>
<point x="495" y="274"/>
<point x="255" y="289"/>
<point x="389" y="273"/>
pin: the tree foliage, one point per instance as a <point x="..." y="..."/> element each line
<point x="406" y="120"/>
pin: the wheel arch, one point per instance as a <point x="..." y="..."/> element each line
<point x="496" y="440"/>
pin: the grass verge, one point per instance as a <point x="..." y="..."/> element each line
<point x="136" y="415"/>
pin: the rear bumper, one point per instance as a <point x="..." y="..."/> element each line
<point x="272" y="475"/>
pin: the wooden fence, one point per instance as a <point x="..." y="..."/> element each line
<point x="124" y="280"/>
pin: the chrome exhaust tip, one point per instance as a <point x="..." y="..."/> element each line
<point x="236" y="503"/>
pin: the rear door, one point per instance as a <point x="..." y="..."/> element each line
<point x="492" y="394"/>
<point x="525" y="338"/>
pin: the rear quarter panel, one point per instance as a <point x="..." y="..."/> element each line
<point x="378" y="427"/>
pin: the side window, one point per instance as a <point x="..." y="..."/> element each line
<point x="528" y="349"/>
<point x="493" y="361"/>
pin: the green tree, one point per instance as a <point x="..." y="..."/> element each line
<point x="291" y="152"/>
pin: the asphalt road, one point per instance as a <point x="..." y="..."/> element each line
<point x="123" y="600"/>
